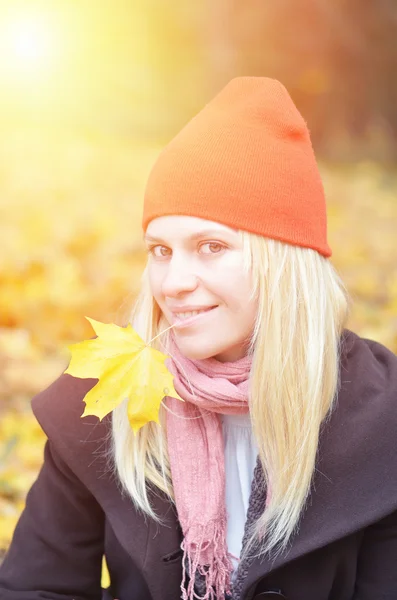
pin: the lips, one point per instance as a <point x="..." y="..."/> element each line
<point x="188" y="308"/>
<point x="187" y="321"/>
<point x="188" y="313"/>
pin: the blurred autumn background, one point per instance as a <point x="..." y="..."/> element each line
<point x="91" y="91"/>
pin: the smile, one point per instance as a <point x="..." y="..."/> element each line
<point x="181" y="320"/>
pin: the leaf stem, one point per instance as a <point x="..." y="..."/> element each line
<point x="158" y="335"/>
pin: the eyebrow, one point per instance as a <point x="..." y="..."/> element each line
<point x="194" y="236"/>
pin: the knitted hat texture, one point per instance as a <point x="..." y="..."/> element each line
<point x="246" y="161"/>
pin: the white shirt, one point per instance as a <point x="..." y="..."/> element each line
<point x="240" y="459"/>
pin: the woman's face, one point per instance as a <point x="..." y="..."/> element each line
<point x="198" y="264"/>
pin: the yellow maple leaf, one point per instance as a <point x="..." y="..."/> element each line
<point x="126" y="367"/>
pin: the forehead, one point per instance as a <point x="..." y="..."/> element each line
<point x="186" y="227"/>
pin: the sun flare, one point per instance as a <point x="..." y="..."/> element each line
<point x="29" y="45"/>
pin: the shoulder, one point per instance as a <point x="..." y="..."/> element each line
<point x="58" y="409"/>
<point x="372" y="361"/>
<point x="358" y="447"/>
<point x="368" y="378"/>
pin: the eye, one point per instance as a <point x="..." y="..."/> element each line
<point x="152" y="250"/>
<point x="218" y="247"/>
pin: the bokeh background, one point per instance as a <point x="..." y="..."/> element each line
<point x="91" y="91"/>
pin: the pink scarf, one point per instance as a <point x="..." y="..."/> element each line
<point x="195" y="446"/>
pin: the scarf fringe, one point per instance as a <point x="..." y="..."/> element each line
<point x="216" y="574"/>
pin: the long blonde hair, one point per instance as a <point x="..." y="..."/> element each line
<point x="302" y="311"/>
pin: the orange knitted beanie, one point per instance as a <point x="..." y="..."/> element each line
<point x="245" y="160"/>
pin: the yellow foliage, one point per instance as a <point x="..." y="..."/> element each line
<point x="126" y="367"/>
<point x="21" y="455"/>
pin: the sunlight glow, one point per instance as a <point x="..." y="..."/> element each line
<point x="30" y="45"/>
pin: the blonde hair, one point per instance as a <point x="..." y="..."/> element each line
<point x="302" y="310"/>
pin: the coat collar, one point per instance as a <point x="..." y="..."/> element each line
<point x="352" y="486"/>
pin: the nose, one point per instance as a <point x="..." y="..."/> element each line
<point x="180" y="277"/>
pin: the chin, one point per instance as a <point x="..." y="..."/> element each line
<point x="197" y="353"/>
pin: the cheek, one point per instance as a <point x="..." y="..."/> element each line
<point x="154" y="284"/>
<point x="248" y="306"/>
<point x="237" y="290"/>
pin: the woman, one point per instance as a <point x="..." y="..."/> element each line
<point x="276" y="477"/>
